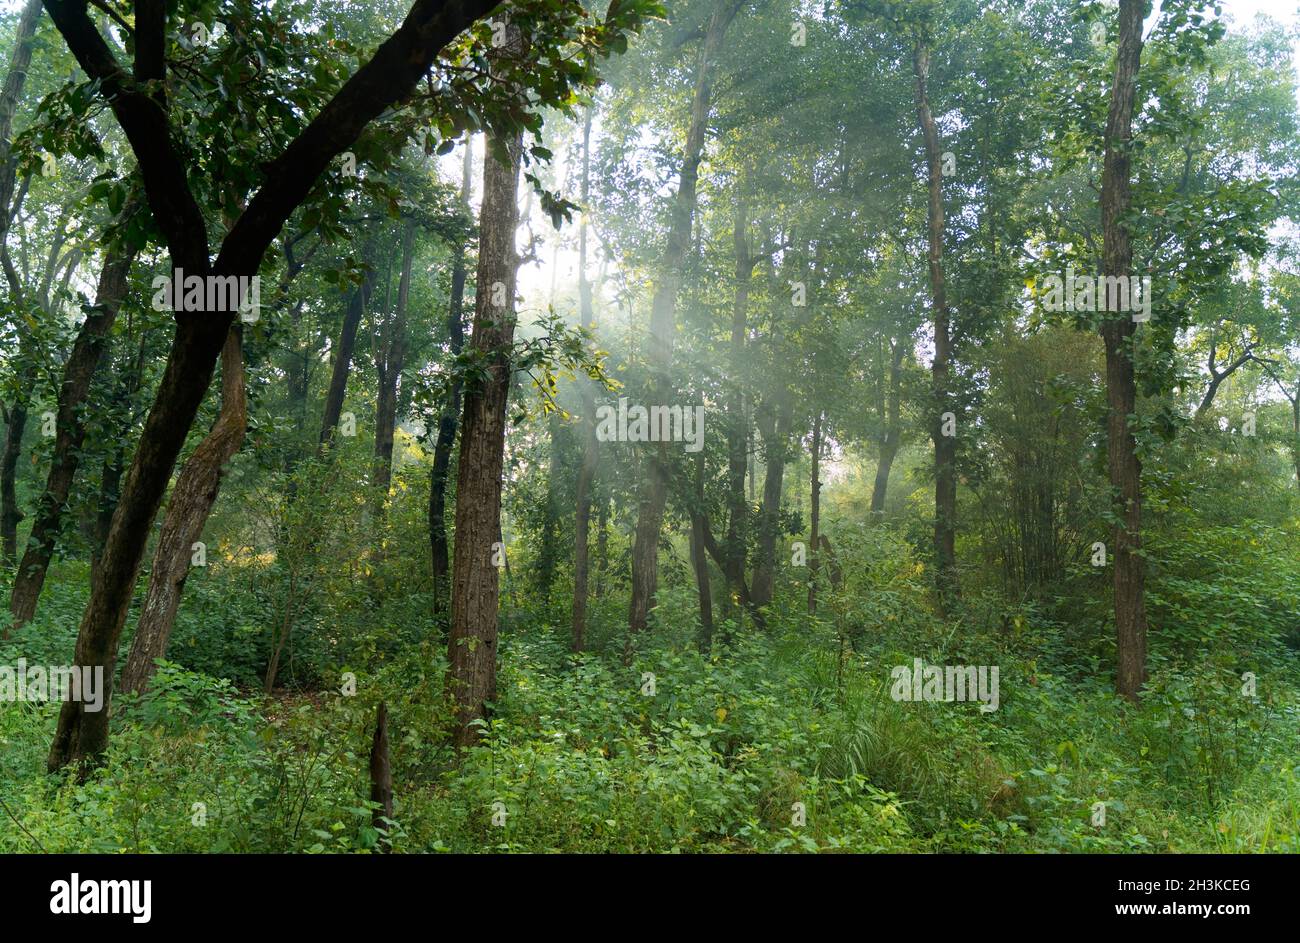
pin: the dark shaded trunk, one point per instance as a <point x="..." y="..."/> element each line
<point x="451" y="413"/>
<point x="654" y="490"/>
<point x="139" y="107"/>
<point x="10" y="515"/>
<point x="591" y="446"/>
<point x="1121" y="388"/>
<point x="381" y="778"/>
<point x="70" y="429"/>
<point x="191" y="503"/>
<point x="774" y="427"/>
<point x="475" y="584"/>
<point x="945" y="446"/>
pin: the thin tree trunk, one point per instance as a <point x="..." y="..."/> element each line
<point x="381" y="777"/>
<point x="700" y="559"/>
<point x="654" y="491"/>
<point x="889" y="440"/>
<point x="191" y="502"/>
<point x="390" y="374"/>
<point x="815" y="503"/>
<point x="70" y="432"/>
<point x="1121" y="388"/>
<point x="451" y="414"/>
<point x="343" y="359"/>
<point x="472" y="642"/>
<point x="774" y="427"/>
<point x="738" y="423"/>
<point x="15" y="79"/>
<point x="945" y="446"/>
<point x="591" y="446"/>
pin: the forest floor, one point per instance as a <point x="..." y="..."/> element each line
<point x="787" y="740"/>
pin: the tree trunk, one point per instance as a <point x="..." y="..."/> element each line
<point x="10" y="515"/>
<point x="945" y="446"/>
<point x="450" y="415"/>
<point x="654" y="490"/>
<point x="390" y="374"/>
<point x="591" y="446"/>
<point x="737" y="421"/>
<point x="1121" y="388"/>
<point x="343" y="359"/>
<point x="78" y="372"/>
<point x="889" y="440"/>
<point x="191" y="503"/>
<point x="815" y="504"/>
<point x="700" y="559"/>
<point x="381" y="777"/>
<point x="774" y="427"/>
<point x="472" y="642"/>
<point x="388" y="76"/>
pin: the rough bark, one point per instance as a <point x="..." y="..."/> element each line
<point x="192" y="500"/>
<point x="472" y="641"/>
<point x="654" y="489"/>
<point x="1121" y="388"/>
<point x="945" y="447"/>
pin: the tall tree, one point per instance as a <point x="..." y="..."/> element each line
<point x="1117" y="332"/>
<point x="945" y="443"/>
<point x="139" y="102"/>
<point x="659" y="341"/>
<point x="590" y="448"/>
<point x="472" y="641"/>
<point x="450" y="413"/>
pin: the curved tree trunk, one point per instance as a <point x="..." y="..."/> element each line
<point x="390" y="74"/>
<point x="191" y="502"/>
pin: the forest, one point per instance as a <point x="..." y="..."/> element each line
<point x="704" y="426"/>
